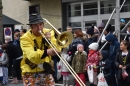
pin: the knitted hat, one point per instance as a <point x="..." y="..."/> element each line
<point x="93" y="46"/>
<point x="90" y="30"/>
<point x="122" y="20"/>
<point x="101" y="25"/>
<point x="79" y="45"/>
<point x="95" y="28"/>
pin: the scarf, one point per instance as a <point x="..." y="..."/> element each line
<point x="91" y="52"/>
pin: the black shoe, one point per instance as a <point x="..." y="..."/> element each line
<point x="10" y="77"/>
<point x="2" y="84"/>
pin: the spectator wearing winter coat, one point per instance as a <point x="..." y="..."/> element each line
<point x="103" y="40"/>
<point x="10" y="63"/>
<point x="79" y="62"/>
<point x="3" y="65"/>
<point x="96" y="30"/>
<point x="7" y="39"/>
<point x="105" y="65"/>
<point x="122" y="23"/>
<point x="114" y="48"/>
<point x="101" y="27"/>
<point x="64" y="70"/>
<point x="68" y="28"/>
<point x="22" y="32"/>
<point x="13" y="52"/>
<point x="78" y="39"/>
<point x="16" y="62"/>
<point x="93" y="60"/>
<point x="1" y="51"/>
<point x="126" y="37"/>
<point x="123" y="62"/>
<point x="91" y="37"/>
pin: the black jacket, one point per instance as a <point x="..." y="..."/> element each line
<point x="73" y="45"/>
<point x="119" y="61"/>
<point x="13" y="51"/>
<point x="89" y="41"/>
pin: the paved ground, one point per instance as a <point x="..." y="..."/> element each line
<point x="57" y="84"/>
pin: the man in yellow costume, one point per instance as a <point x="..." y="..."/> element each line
<point x="36" y="64"/>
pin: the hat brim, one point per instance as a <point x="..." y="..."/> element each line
<point x="36" y="22"/>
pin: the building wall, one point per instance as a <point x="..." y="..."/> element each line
<point x="16" y="9"/>
<point x="51" y="10"/>
<point x="19" y="10"/>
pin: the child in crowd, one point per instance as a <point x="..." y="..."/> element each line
<point x="123" y="63"/>
<point x="93" y="60"/>
<point x="105" y="66"/>
<point x="1" y="51"/>
<point x="64" y="71"/>
<point x="79" y="62"/>
<point x="3" y="67"/>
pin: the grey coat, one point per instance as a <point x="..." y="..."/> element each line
<point x="63" y="68"/>
<point x="4" y="59"/>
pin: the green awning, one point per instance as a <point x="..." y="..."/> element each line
<point x="9" y="21"/>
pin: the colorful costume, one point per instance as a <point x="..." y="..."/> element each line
<point x="34" y="55"/>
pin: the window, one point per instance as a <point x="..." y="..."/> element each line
<point x="112" y="22"/>
<point x="90" y="23"/>
<point x="75" y="24"/>
<point x="90" y="8"/>
<point x="74" y="10"/>
<point x="107" y="6"/>
<point x="126" y="6"/>
<point x="34" y="9"/>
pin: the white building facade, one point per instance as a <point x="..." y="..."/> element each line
<point x="83" y="13"/>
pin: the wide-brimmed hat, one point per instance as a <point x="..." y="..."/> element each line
<point x="35" y="19"/>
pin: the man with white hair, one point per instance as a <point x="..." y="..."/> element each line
<point x="7" y="39"/>
<point x="68" y="28"/>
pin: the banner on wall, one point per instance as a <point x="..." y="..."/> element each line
<point x="8" y="32"/>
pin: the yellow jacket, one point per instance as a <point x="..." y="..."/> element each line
<point x="27" y="45"/>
